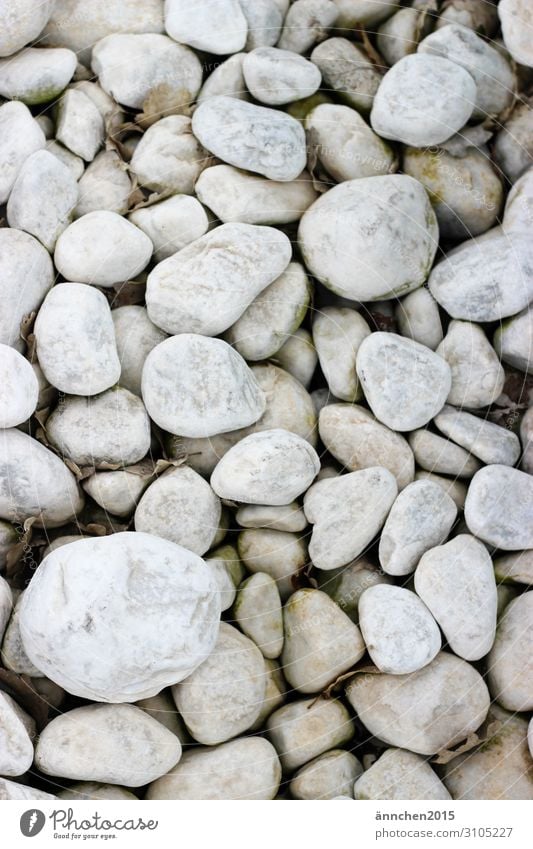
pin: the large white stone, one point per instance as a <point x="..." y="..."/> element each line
<point x="34" y="482"/>
<point x="278" y="553"/>
<point x="499" y="507"/>
<point x="20" y="136"/>
<point x="206" y="287"/>
<point x="163" y="597"/>
<point x="423" y="100"/>
<point x="198" y="387"/>
<point x="426" y="711"/>
<point x="36" y="75"/>
<point x="119" y="744"/>
<point x="405" y="383"/>
<point x="420" y="518"/>
<point x="271" y="467"/>
<point x="436" y="454"/>
<point x="456" y="581"/>
<point x="19" y="389"/>
<point x="252" y="137"/>
<point x="75" y="340"/>
<point x="216" y="26"/>
<point x="27" y="274"/>
<point x="347" y="512"/>
<point x="22" y="21"/>
<point x="515" y="17"/>
<point x="370" y="238"/>
<point x="510" y="662"/>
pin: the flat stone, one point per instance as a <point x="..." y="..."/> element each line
<point x="91" y="790"/>
<point x="120" y="744"/>
<point x="288" y="517"/>
<point x="306" y="728"/>
<point x="499" y="507"/>
<point x="456" y="581"/>
<point x="510" y="662"/>
<point x="477" y="375"/>
<point x="93" y="583"/>
<point x="399" y="774"/>
<point x="19" y="389"/>
<point x="405" y="383"/>
<point x="486" y="440"/>
<point x="251" y="137"/>
<point x="372" y="238"/>
<point x="198" y="387"/>
<point x="347" y="512"/>
<point x="429" y="710"/>
<point x="421" y="517"/>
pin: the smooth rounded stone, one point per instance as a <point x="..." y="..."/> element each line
<point x="347" y="584"/>
<point x="459" y="282"/>
<point x="273" y="315"/>
<point x="264" y="19"/>
<point x="481" y="17"/>
<point x="354" y="437"/>
<point x="498" y="507"/>
<point x="465" y="190"/>
<point x="36" y="75"/>
<point x="370" y="238"/>
<point x="75" y="341"/>
<point x="207" y="286"/>
<point x="347" y="70"/>
<point x="116" y="492"/>
<point x="345" y="145"/>
<point x="229" y="572"/>
<point x="510" y="662"/>
<point x="516" y="568"/>
<point x="43" y="198"/>
<point x="275" y="690"/>
<point x="133" y="68"/>
<point x="426" y="711"/>
<point x="515" y="17"/>
<point x="513" y="341"/>
<point x="499" y="768"/>
<point x="255" y="138"/>
<point x="113" y="116"/>
<point x="22" y="21"/>
<point x="421" y="517"/>
<point x="526" y="436"/>
<point x="223" y="697"/>
<point x="27" y="274"/>
<point x="456" y="582"/>
<point x="180" y="506"/>
<point x="168" y="158"/>
<point x="6" y="605"/>
<point x="119" y="744"/>
<point x="14" y="790"/>
<point x="486" y="440"/>
<point x="102" y="248"/>
<point x="436" y="454"/>
<point x="330" y="775"/>
<point x="172" y="224"/>
<point x="276" y="77"/>
<point x="216" y="26"/>
<point x="289" y="517"/>
<point x="105" y="185"/>
<point x="198" y="387"/>
<point x="79" y="125"/>
<point x="298" y="356"/>
<point x="272" y="467"/>
<point x="13" y="654"/>
<point x="257" y="611"/>
<point x="399" y="35"/>
<point x="454" y="488"/>
<point x="306" y="728"/>
<point x="19" y="389"/>
<point x="477" y="375"/>
<point x="404" y="382"/>
<point x="306" y="23"/>
<point x="423" y="100"/>
<point x="321" y="642"/>
<point x="247" y="768"/>
<point x="347" y="512"/>
<point x="135" y="337"/>
<point x="513" y="146"/>
<point x="16" y="731"/>
<point x="94" y="583"/>
<point x="337" y="335"/>
<point x="278" y="553"/>
<point x="162" y="708"/>
<point x="226" y="78"/>
<point x="489" y="68"/>
<point x="400" y="633"/>
<point x="74" y="163"/>
<point x="399" y="775"/>
<point x="353" y="13"/>
<point x="71" y="26"/>
<point x="20" y="136"/>
<point x="35" y="482"/>
<point x="88" y="790"/>
<point x="235" y="195"/>
<point x="112" y="427"/>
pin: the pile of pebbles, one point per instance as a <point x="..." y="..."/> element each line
<point x="266" y="399"/>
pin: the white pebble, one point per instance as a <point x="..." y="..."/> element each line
<point x="19" y="389"/>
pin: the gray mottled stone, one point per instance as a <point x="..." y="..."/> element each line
<point x="418" y="318"/>
<point x="168" y="157"/>
<point x="119" y="491"/>
<point x="516" y="568"/>
<point x="499" y="507"/>
<point x="436" y="454"/>
<point x="347" y="70"/>
<point x="276" y="77"/>
<point x="257" y="611"/>
<point x="327" y="776"/>
<point x="337" y="335"/>
<point x="172" y="224"/>
<point x="306" y="22"/>
<point x="264" y="19"/>
<point x="306" y="728"/>
<point x="486" y="440"/>
<point x="347" y="584"/>
<point x="400" y="774"/>
<point x="289" y="517"/>
<point x="477" y="376"/>
<point x="227" y="79"/>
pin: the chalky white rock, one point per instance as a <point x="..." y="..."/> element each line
<point x="20" y="136"/>
<point x="22" y="21"/>
<point x="307" y="22"/>
<point x="276" y="77"/>
<point x="135" y="337"/>
<point x="172" y="224"/>
<point x="477" y="376"/>
<point x="19" y="389"/>
<point x="486" y="440"/>
<point x="513" y="341"/>
<point x="27" y="275"/>
<point x="36" y="75"/>
<point x="257" y="611"/>
<point x="436" y="454"/>
<point x="327" y="776"/>
<point x="80" y="126"/>
<point x="498" y="507"/>
<point x="510" y="667"/>
<point x="216" y="26"/>
<point x="306" y="728"/>
<point x="105" y="185"/>
<point x="337" y="336"/>
<point x="347" y="70"/>
<point x="168" y="158"/>
<point x="400" y="774"/>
